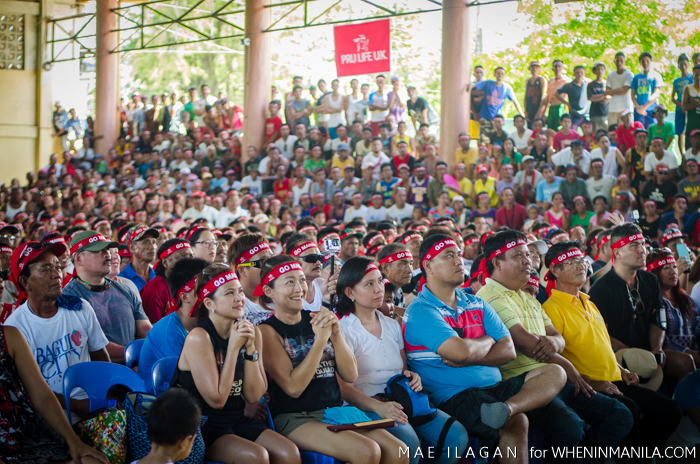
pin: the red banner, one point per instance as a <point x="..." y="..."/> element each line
<point x="363" y="48"/>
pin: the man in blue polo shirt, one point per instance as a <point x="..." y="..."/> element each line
<point x="456" y="343"/>
<point x="142" y="245"/>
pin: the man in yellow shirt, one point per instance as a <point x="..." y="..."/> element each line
<point x="342" y="158"/>
<point x="538" y="343"/>
<point x="484" y="183"/>
<point x="465" y="154"/>
<point x="588" y="348"/>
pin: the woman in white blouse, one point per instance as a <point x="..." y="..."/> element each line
<point x="378" y="346"/>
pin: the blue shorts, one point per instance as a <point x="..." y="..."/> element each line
<point x="645" y="119"/>
<point x="680" y="121"/>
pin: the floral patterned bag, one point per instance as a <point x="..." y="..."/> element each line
<point x="107" y="433"/>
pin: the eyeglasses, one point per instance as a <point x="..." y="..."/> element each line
<point x="312" y="258"/>
<point x="256" y="264"/>
<point x="207" y="243"/>
<point x="576" y="262"/>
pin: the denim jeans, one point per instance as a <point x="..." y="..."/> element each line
<point x="564" y="420"/>
<point x="456" y="441"/>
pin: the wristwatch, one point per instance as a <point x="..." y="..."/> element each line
<point x="251" y="357"/>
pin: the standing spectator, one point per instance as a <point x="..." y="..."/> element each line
<point x="599" y="101"/>
<point x="200" y="106"/>
<point x="117" y="306"/>
<point x="477" y="96"/>
<point x="691" y="105"/>
<point x="577" y="101"/>
<point x="495" y="95"/>
<point x="335" y="108"/>
<point x="299" y="109"/>
<point x="690" y="185"/>
<point x="396" y="107"/>
<point x="553" y="104"/>
<point x="535" y="91"/>
<point x="617" y="85"/>
<point x="679" y="85"/>
<point x="626" y="131"/>
<point x="420" y="111"/>
<point x="378" y="106"/>
<point x="646" y="90"/>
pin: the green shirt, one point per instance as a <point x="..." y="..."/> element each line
<point x="517" y="158"/>
<point x="516" y="307"/>
<point x="571" y="191"/>
<point x="434" y="189"/>
<point x="189" y="108"/>
<point x="311" y="165"/>
<point x="665" y="132"/>
<point x="576" y="221"/>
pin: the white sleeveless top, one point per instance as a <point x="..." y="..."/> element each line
<point x="335" y="119"/>
<point x="12" y="212"/>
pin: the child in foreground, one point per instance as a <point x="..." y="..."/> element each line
<point x="173" y="420"/>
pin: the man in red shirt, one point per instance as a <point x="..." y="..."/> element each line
<point x="273" y="123"/>
<point x="625" y="131"/>
<point x="320" y="203"/>
<point x="282" y="184"/>
<point x="402" y="157"/>
<point x="566" y="134"/>
<point x="511" y="214"/>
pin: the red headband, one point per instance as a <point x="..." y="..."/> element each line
<point x="660" y="263"/>
<point x="211" y="286"/>
<point x="602" y="242"/>
<point x="396" y="257"/>
<point x="371" y="267"/>
<point x="172" y="249"/>
<point x="567" y="255"/>
<point x="5" y="249"/>
<point x="193" y="230"/>
<point x="87" y="241"/>
<point x="408" y="238"/>
<point x="627" y="240"/>
<point x="577" y="227"/>
<point x="437" y="248"/>
<point x="370" y="242"/>
<point x="302" y="248"/>
<point x="275" y="273"/>
<point x="483" y="269"/>
<point x="470" y="241"/>
<point x="564" y="234"/>
<point x="246" y="255"/>
<point x="99" y="223"/>
<point x="58" y="239"/>
<point x="187" y="288"/>
<point x="534" y="281"/>
<point x="673" y="235"/>
<point x="650" y="202"/>
<point x="307" y="228"/>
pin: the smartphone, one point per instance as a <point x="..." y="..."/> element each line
<point x="659" y="358"/>
<point x="332" y="245"/>
<point x="682" y="250"/>
<point x="635" y="215"/>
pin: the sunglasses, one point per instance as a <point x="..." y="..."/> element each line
<point x="256" y="264"/>
<point x="312" y="258"/>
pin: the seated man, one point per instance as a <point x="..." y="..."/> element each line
<point x="456" y="342"/>
<point x="167" y="336"/>
<point x="396" y="265"/>
<point x="142" y="245"/>
<point x="588" y="345"/>
<point x="57" y="327"/>
<point x="118" y="307"/>
<point x="538" y="343"/>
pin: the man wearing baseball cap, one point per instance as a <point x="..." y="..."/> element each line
<point x="117" y="306"/>
<point x="142" y="245"/>
<point x="48" y="318"/>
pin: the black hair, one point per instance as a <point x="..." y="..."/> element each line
<point x="683" y="300"/>
<point x="406" y="234"/>
<point x="496" y="241"/>
<point x="173" y="416"/>
<point x="565" y="116"/>
<point x="386" y="165"/>
<point x="160" y="268"/>
<point x="285" y="236"/>
<point x="385" y="225"/>
<point x="603" y="197"/>
<point x="352" y="272"/>
<point x="241" y="244"/>
<point x="267" y="266"/>
<point x="546" y="166"/>
<point x="208" y="273"/>
<point x="295" y="239"/>
<point x="323" y="233"/>
<point x="355" y="223"/>
<point x="254" y="229"/>
<point x="370" y="235"/>
<point x="428" y="244"/>
<point x="183" y="271"/>
<point x="195" y="236"/>
<point x="306" y="222"/>
<point x="556" y="250"/>
<point x="624" y="231"/>
<point x="645" y="55"/>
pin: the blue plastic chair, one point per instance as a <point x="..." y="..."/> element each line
<point x="132" y="352"/>
<point x="96" y="378"/>
<point x="163" y="371"/>
<point x="307" y="457"/>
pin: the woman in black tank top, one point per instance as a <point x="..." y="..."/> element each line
<point x="221" y="366"/>
<point x="305" y="352"/>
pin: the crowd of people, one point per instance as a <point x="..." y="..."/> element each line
<point x="547" y="278"/>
